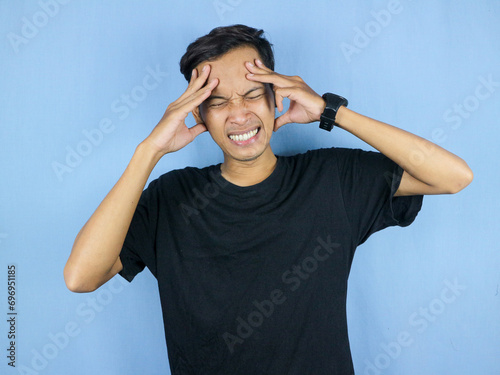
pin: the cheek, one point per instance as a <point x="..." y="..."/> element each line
<point x="268" y="106"/>
<point x="212" y="117"/>
<point x="206" y="114"/>
<point x="214" y="121"/>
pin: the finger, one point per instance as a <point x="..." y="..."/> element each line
<point x="194" y="75"/>
<point x="281" y="120"/>
<point x="292" y="93"/>
<point x="199" y="79"/>
<point x="200" y="96"/>
<point x="258" y="67"/>
<point x="187" y="103"/>
<point x="263" y="76"/>
<point x="197" y="82"/>
<point x="261" y="65"/>
<point x="280" y="93"/>
<point x="197" y="129"/>
<point x="279" y="101"/>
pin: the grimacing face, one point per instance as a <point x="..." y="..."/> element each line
<point x="239" y="114"/>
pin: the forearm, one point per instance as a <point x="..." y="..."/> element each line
<point x="97" y="247"/>
<point x="94" y="258"/>
<point x="440" y="170"/>
<point x="429" y="169"/>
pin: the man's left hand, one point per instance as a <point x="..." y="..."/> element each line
<point x="305" y="105"/>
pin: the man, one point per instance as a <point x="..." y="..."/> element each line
<point x="252" y="256"/>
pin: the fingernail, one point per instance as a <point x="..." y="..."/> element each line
<point x="204" y="68"/>
<point x="249" y="63"/>
<point x="258" y="62"/>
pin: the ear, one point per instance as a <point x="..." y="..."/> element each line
<point x="270" y="87"/>
<point x="197" y="116"/>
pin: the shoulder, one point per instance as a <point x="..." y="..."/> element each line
<point x="181" y="180"/>
<point x="327" y="153"/>
<point x="323" y="155"/>
<point x="187" y="173"/>
<point x="340" y="160"/>
<point x="344" y="155"/>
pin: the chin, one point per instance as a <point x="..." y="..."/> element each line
<point x="246" y="156"/>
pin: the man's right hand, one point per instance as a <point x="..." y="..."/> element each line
<point x="171" y="133"/>
<point x="95" y="257"/>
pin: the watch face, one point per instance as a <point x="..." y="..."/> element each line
<point x="329" y="113"/>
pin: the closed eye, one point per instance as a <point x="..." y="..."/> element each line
<point x="255" y="97"/>
<point x="216" y="105"/>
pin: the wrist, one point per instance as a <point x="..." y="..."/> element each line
<point x="148" y="153"/>
<point x="321" y="108"/>
<point x="341" y="115"/>
<point x="333" y="103"/>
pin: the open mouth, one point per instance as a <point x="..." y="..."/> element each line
<point x="245" y="136"/>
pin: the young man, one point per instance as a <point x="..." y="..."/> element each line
<point x="252" y="256"/>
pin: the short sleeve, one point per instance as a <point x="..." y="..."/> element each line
<point x="138" y="250"/>
<point x="368" y="182"/>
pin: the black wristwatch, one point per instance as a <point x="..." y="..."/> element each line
<point x="333" y="103"/>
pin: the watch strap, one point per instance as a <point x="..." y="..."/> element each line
<point x="333" y="103"/>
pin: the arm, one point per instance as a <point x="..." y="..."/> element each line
<point x="94" y="258"/>
<point x="428" y="168"/>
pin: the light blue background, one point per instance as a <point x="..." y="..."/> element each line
<point x="410" y="71"/>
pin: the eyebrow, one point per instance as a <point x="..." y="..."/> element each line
<point x="212" y="97"/>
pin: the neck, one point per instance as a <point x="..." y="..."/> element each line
<point x="251" y="172"/>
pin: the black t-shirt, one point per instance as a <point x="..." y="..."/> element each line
<point x="253" y="280"/>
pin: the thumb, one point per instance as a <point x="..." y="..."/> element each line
<point x="281" y="120"/>
<point x="197" y="130"/>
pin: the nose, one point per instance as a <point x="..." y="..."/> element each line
<point x="238" y="112"/>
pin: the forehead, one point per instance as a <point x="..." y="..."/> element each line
<point x="231" y="71"/>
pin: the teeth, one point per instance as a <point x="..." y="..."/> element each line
<point x="243" y="137"/>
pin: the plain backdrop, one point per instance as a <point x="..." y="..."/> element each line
<point x="83" y="82"/>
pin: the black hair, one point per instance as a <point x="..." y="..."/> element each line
<point x="222" y="40"/>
